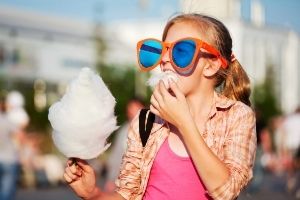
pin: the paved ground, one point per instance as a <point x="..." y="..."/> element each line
<point x="64" y="193"/>
<point x="271" y="189"/>
<point x="57" y="193"/>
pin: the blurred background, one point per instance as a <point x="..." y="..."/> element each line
<point x="44" y="44"/>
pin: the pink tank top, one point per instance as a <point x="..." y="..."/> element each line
<point x="173" y="177"/>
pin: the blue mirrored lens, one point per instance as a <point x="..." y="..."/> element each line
<point x="150" y="53"/>
<point x="183" y="53"/>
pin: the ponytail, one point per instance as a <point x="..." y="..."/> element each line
<point x="236" y="83"/>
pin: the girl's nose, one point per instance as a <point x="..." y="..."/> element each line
<point x="165" y="61"/>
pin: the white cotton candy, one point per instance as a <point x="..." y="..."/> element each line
<point x="164" y="76"/>
<point x="84" y="118"/>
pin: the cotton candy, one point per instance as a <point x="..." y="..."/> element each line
<point x="164" y="76"/>
<point x="84" y="118"/>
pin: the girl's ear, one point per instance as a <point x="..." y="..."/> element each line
<point x="212" y="67"/>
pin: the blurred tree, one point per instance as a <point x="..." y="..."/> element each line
<point x="121" y="84"/>
<point x="264" y="97"/>
<point x="122" y="80"/>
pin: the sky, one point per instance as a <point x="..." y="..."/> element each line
<point x="284" y="13"/>
<point x="277" y="12"/>
<point x="99" y="9"/>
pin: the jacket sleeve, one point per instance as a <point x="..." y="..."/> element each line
<point x="129" y="179"/>
<point x="239" y="151"/>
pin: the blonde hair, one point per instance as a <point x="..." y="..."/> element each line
<point x="233" y="80"/>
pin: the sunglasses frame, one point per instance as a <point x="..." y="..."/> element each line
<point x="169" y="46"/>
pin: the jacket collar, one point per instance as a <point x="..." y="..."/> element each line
<point x="221" y="103"/>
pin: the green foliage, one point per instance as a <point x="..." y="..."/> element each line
<point x="264" y="97"/>
<point x="121" y="83"/>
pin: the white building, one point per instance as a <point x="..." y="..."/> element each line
<point x="35" y="46"/>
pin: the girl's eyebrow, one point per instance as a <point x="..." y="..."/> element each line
<point x="206" y="55"/>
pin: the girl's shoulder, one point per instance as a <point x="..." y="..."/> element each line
<point x="240" y="113"/>
<point x="240" y="108"/>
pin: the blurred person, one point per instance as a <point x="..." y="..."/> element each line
<point x="119" y="146"/>
<point x="258" y="170"/>
<point x="278" y="139"/>
<point x="15" y="110"/>
<point x="291" y="144"/>
<point x="295" y="189"/>
<point x="28" y="155"/>
<point x="273" y="158"/>
<point x="203" y="141"/>
<point x="53" y="168"/>
<point x="291" y="129"/>
<point x="38" y="169"/>
<point x="12" y="122"/>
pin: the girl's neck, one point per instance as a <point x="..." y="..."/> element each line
<point x="200" y="103"/>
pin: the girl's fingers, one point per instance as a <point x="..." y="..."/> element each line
<point x="154" y="102"/>
<point x="70" y="161"/>
<point x="74" y="163"/>
<point x="157" y="95"/>
<point x="154" y="110"/>
<point x="163" y="90"/>
<point x="73" y="176"/>
<point x="78" y="172"/>
<point x="67" y="178"/>
<point x="84" y="166"/>
<point x="175" y="89"/>
<point x="73" y="168"/>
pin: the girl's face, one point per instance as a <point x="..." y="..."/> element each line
<point x="191" y="82"/>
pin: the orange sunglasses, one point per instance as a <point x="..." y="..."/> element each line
<point x="183" y="53"/>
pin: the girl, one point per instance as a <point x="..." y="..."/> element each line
<point x="203" y="140"/>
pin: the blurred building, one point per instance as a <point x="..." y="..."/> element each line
<point x="51" y="50"/>
<point x="54" y="49"/>
<point x="35" y="46"/>
<point x="39" y="46"/>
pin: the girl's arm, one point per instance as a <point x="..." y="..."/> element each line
<point x="129" y="181"/>
<point x="225" y="179"/>
<point x="82" y="179"/>
<point x="211" y="169"/>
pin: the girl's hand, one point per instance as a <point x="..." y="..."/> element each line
<point x="172" y="107"/>
<point x="81" y="178"/>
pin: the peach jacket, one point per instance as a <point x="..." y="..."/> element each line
<point x="230" y="134"/>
